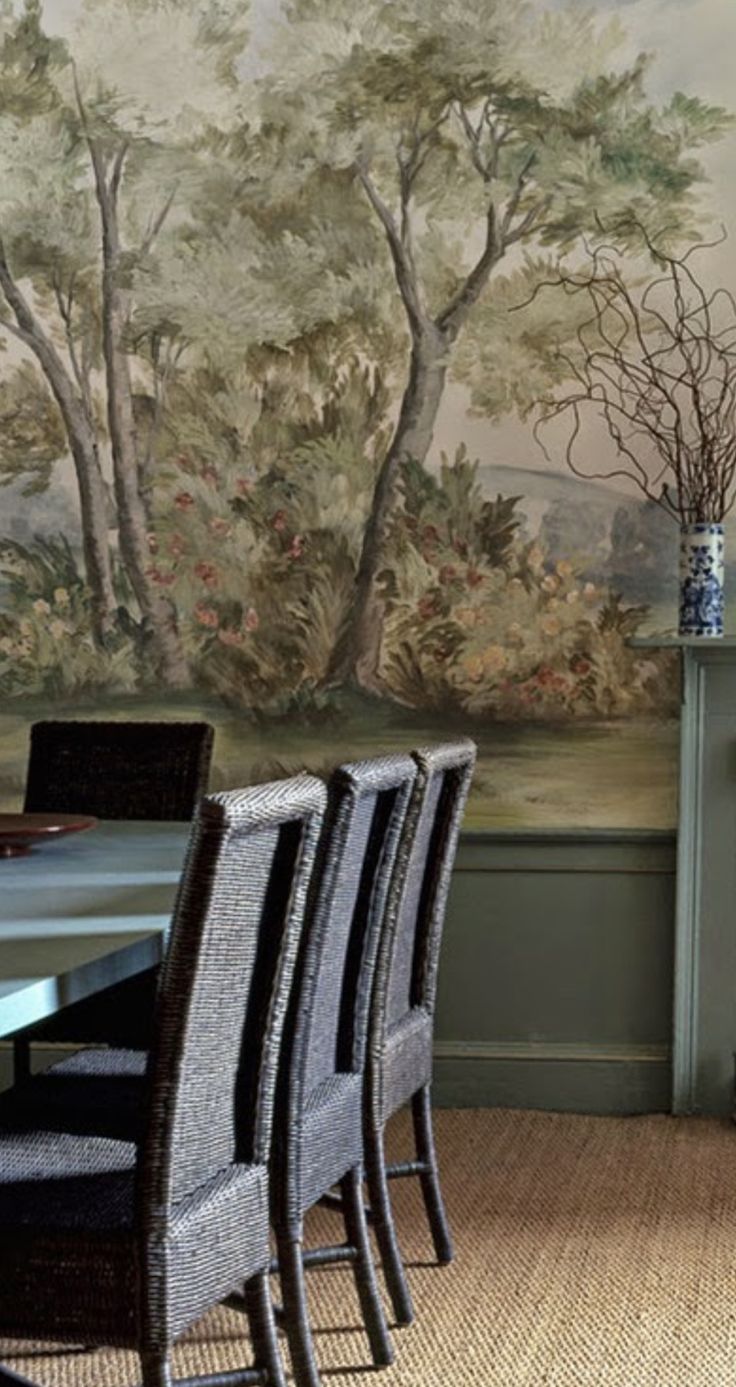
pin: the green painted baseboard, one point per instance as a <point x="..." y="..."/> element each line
<point x="568" y="1078"/>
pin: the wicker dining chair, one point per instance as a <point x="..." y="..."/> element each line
<point x="319" y="1128"/>
<point x="112" y="770"/>
<point x="319" y="1125"/>
<point x="106" y="1242"/>
<point x="399" y="1067"/>
<point x="118" y="770"/>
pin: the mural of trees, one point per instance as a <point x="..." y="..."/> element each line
<point x="237" y="274"/>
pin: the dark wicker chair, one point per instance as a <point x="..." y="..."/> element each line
<point x="113" y="770"/>
<point x="319" y="1126"/>
<point x="118" y="770"/>
<point x="103" y="1241"/>
<point x="402" y="1013"/>
<point x="319" y="1136"/>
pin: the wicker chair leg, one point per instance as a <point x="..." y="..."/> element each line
<point x="266" y="1350"/>
<point x="385" y="1228"/>
<point x="356" y="1228"/>
<point x="156" y="1369"/>
<point x="421" y="1111"/>
<point x="296" y="1311"/>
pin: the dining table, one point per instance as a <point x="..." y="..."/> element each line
<point x="82" y="913"/>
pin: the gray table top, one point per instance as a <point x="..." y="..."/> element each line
<point x="83" y="913"/>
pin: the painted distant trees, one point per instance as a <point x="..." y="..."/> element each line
<point x="85" y="152"/>
<point x="471" y="128"/>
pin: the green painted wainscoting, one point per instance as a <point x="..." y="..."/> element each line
<point x="556" y="973"/>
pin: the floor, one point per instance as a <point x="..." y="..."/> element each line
<point x="591" y="1252"/>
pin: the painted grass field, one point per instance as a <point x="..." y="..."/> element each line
<point x="606" y="775"/>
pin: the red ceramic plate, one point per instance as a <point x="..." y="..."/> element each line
<point x="20" y="832"/>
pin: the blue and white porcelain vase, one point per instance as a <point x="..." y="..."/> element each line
<point x="701" y="580"/>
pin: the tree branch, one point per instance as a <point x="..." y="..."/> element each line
<point x="117" y="170"/>
<point x="158" y="222"/>
<point x="453" y="315"/>
<point x="66" y="309"/>
<point x="488" y="167"/>
<point x="512" y="206"/>
<point x="403" y="266"/>
<point x="498" y="238"/>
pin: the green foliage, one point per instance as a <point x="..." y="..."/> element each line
<point x="615" y="617"/>
<point x="507" y="633"/>
<point x="32" y="435"/>
<point x="449" y="515"/>
<point x="39" y="570"/>
<point x="418" y="96"/>
<point x="28" y="60"/>
<point x="45" y="642"/>
<point x="522" y="341"/>
<point x="497" y="527"/>
<point x="278" y="507"/>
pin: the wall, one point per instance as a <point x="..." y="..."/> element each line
<point x="320" y="512"/>
<point x="262" y="400"/>
<point x="556" y="977"/>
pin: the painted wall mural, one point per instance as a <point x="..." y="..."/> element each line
<point x="272" y="352"/>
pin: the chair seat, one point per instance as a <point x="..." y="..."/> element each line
<point x="69" y="1266"/>
<point x="67" y="1251"/>
<point x="61" y="1182"/>
<point x="405" y="1064"/>
<point x="98" y="1092"/>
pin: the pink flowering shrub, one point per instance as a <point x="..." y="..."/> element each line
<point x="482" y="621"/>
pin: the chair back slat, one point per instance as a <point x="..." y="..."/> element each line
<point x="118" y="770"/>
<point x="407" y="971"/>
<point x="224" y="986"/>
<point x="367" y="805"/>
<point x="401" y="974"/>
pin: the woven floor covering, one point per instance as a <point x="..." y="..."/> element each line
<point x="591" y="1252"/>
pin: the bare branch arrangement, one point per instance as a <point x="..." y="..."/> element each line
<point x="658" y="365"/>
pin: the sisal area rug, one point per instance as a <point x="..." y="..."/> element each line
<point x="591" y="1252"/>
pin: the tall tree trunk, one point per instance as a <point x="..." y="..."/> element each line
<point x="83" y="447"/>
<point x="359" y="654"/>
<point x="93" y="510"/>
<point x="157" y="612"/>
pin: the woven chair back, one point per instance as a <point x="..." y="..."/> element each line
<point x="367" y="806"/>
<point x="118" y="770"/>
<point x="224" y="986"/>
<point x="407" y="971"/>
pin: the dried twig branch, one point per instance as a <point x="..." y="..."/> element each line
<point x="657" y="364"/>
